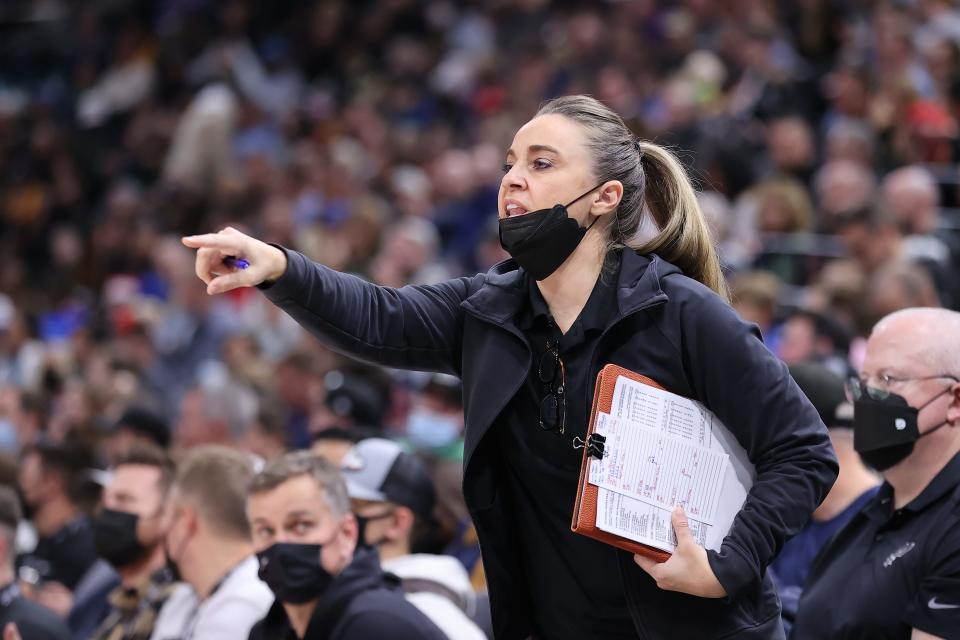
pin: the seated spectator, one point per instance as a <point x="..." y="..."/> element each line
<point x="873" y="238"/>
<point x="393" y="499"/>
<point x="265" y="437"/>
<point x="51" y="478"/>
<point x="208" y="543"/>
<point x="333" y="444"/>
<point x="809" y="336"/>
<point x="754" y="295"/>
<point x="325" y="585"/>
<point x="854" y="486"/>
<point x="129" y="533"/>
<point x="783" y="208"/>
<point x="894" y="570"/>
<point x="914" y="201"/>
<point x="32" y="620"/>
<point x="355" y="395"/>
<point x="898" y="285"/>
<point x="435" y="421"/>
<point x="136" y="427"/>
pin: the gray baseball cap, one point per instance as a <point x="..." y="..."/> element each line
<point x="379" y="470"/>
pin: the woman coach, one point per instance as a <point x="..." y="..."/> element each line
<point x="528" y="339"/>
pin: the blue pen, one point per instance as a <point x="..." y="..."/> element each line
<point x="236" y="263"/>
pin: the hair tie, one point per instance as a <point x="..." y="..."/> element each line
<point x="636" y="143"/>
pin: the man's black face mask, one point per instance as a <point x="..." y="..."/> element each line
<point x="885" y="430"/>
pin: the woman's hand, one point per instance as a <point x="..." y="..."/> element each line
<point x="266" y="262"/>
<point x="687" y="570"/>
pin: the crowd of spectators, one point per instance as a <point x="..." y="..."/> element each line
<point x="369" y="135"/>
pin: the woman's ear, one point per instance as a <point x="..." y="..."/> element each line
<point x="608" y="198"/>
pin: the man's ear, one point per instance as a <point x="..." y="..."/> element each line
<point x="7" y="540"/>
<point x="953" y="411"/>
<point x="403" y="520"/>
<point x="350" y="532"/>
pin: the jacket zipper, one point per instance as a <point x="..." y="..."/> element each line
<point x="637" y="620"/>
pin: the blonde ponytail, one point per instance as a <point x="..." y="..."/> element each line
<point x="684" y="237"/>
<point x="653" y="180"/>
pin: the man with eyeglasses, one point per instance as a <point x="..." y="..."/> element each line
<point x="894" y="571"/>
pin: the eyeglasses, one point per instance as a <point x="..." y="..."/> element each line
<point x="857" y="388"/>
<point x="553" y="407"/>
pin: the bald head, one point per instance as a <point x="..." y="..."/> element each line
<point x="927" y="337"/>
<point x="912" y="195"/>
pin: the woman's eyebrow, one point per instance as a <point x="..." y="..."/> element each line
<point x="535" y="148"/>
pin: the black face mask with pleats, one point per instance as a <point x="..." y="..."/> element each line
<point x="885" y="430"/>
<point x="540" y="241"/>
<point x="293" y="571"/>
<point x="115" y="537"/>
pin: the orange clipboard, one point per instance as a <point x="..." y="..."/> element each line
<point x="585" y="508"/>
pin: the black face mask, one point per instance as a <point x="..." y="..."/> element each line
<point x="540" y="241"/>
<point x="115" y="537"/>
<point x="362" y="523"/>
<point x="293" y="571"/>
<point x="885" y="431"/>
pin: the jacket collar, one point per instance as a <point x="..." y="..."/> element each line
<point x="502" y="295"/>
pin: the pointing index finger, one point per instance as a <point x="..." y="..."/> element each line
<point x="210" y="241"/>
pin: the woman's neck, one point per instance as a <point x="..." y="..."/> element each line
<point x="567" y="289"/>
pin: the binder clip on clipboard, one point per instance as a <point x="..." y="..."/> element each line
<point x="594" y="444"/>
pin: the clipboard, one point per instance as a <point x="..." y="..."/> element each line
<point x="585" y="508"/>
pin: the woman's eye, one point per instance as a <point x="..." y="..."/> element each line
<point x="540" y="163"/>
<point x="507" y="167"/>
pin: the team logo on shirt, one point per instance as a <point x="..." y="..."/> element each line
<point x="899" y="553"/>
<point x="934" y="604"/>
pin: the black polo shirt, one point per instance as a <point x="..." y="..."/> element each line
<point x="890" y="570"/>
<point x="573" y="582"/>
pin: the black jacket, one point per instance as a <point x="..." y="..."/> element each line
<point x="34" y="622"/>
<point x="669" y="327"/>
<point x="362" y="602"/>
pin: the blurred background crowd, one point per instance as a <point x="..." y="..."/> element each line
<point x="369" y="135"/>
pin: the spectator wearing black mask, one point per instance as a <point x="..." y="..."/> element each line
<point x="51" y="478"/>
<point x="894" y="570"/>
<point x="32" y="620"/>
<point x="208" y="541"/>
<point x="393" y="499"/>
<point x="325" y="586"/>
<point x="128" y="532"/>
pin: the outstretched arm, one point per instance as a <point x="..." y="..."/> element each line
<point x="411" y="327"/>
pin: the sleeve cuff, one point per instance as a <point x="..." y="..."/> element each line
<point x="734" y="571"/>
<point x="291" y="279"/>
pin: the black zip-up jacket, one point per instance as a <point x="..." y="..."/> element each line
<point x="363" y="602"/>
<point x="668" y="327"/>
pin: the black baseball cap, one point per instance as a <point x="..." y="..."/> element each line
<point x="380" y="470"/>
<point x="145" y="423"/>
<point x="825" y="390"/>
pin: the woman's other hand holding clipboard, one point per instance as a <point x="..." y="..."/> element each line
<point x="687" y="570"/>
